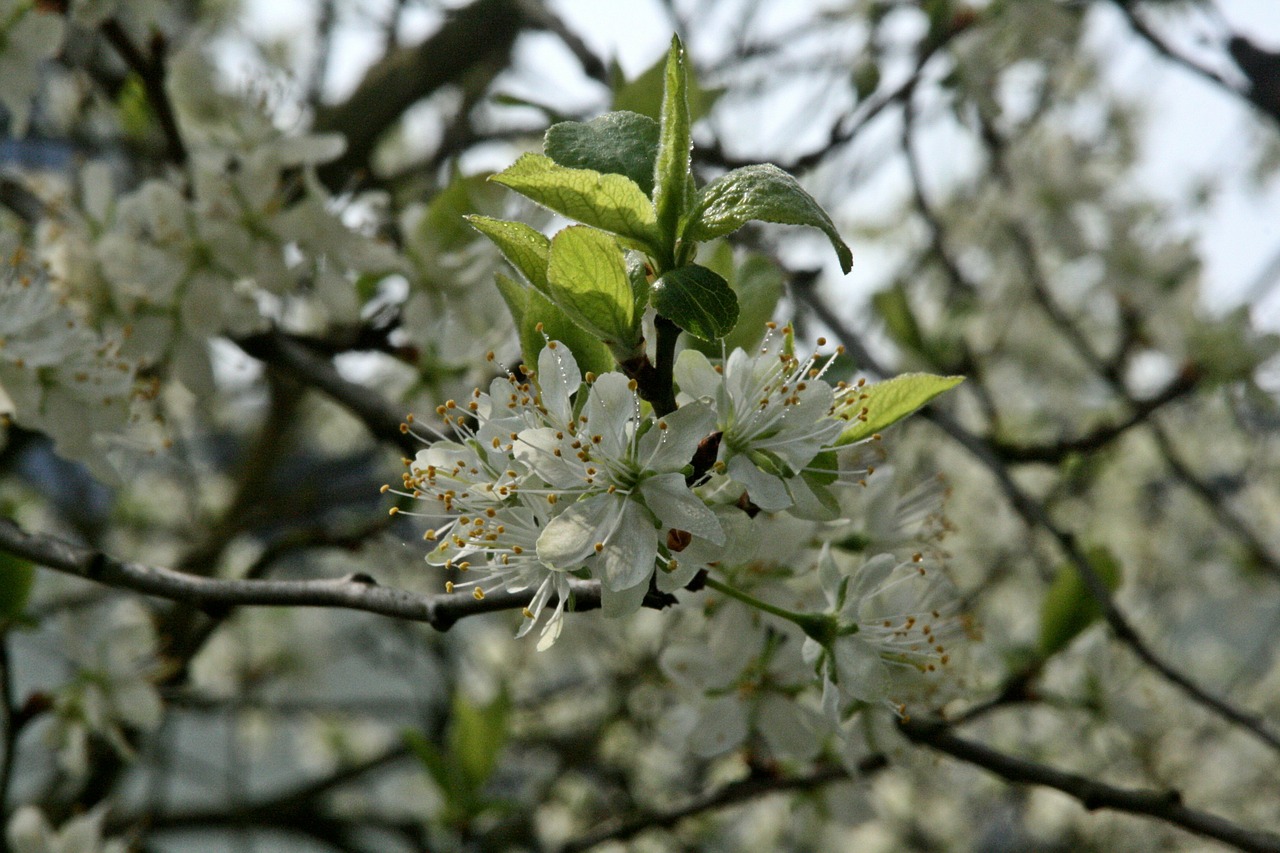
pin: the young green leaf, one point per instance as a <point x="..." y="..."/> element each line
<point x="762" y="192"/>
<point x="888" y="402"/>
<point x="697" y="300"/>
<point x="588" y="279"/>
<point x="588" y="351"/>
<point x="16" y="579"/>
<point x="524" y="248"/>
<point x="1068" y="608"/>
<point x="672" y="179"/>
<point x="515" y="294"/>
<point x="618" y="143"/>
<point x="476" y="735"/>
<point x="612" y="203"/>
<point x="643" y="94"/>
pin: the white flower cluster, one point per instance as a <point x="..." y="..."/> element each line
<point x="249" y="237"/>
<point x="57" y="375"/>
<point x="29" y="831"/>
<point x="559" y="475"/>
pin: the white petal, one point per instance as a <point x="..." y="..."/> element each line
<point x="863" y="675"/>
<point x="721" y="727"/>
<point x="615" y="604"/>
<point x="765" y="490"/>
<point x="695" y="376"/>
<point x="792" y="730"/>
<point x="679" y="508"/>
<point x="629" y="552"/>
<point x="571" y="536"/>
<point x="558" y="379"/>
<point x="610" y="406"/>
<point x="671" y="449"/>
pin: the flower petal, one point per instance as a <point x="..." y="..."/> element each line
<point x="629" y="552"/>
<point x="679" y="508"/>
<point x="765" y="490"/>
<point x="571" y="537"/>
<point x="558" y="379"/>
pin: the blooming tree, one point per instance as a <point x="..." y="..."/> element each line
<point x="680" y="549"/>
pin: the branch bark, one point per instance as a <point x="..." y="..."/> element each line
<point x="353" y="592"/>
<point x="1093" y="795"/>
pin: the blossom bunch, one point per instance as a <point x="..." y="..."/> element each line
<point x="554" y="474"/>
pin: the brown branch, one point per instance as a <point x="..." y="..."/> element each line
<point x="380" y="416"/>
<point x="1093" y="795"/>
<point x="478" y="35"/>
<point x="353" y="592"/>
<point x="751" y="788"/>
<point x="151" y="71"/>
<point x="1052" y="453"/>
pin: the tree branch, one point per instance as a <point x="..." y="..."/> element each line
<point x="353" y="592"/>
<point x="151" y="71"/>
<point x="477" y="35"/>
<point x="1162" y="805"/>
<point x="379" y="415"/>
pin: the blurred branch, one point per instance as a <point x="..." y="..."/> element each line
<point x="379" y="415"/>
<point x="753" y="787"/>
<point x="1162" y="805"/>
<point x="476" y="35"/>
<point x="1051" y="453"/>
<point x="150" y="68"/>
<point x="353" y="592"/>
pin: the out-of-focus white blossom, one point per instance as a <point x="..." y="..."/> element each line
<point x="29" y="36"/>
<point x="29" y="831"/>
<point x="111" y="690"/>
<point x="896" y="625"/>
<point x="58" y="376"/>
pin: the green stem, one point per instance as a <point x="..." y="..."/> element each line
<point x="821" y="628"/>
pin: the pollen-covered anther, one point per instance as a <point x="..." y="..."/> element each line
<point x="528" y="614"/>
<point x="599" y="547"/>
<point x="448" y="586"/>
<point x="478" y="594"/>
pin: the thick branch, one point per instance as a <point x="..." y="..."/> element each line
<point x="353" y="592"/>
<point x="477" y="35"/>
<point x="381" y="417"/>
<point x="1162" y="805"/>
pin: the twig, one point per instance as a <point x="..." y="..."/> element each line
<point x="151" y="71"/>
<point x="1093" y="795"/>
<point x="381" y="417"/>
<point x="751" y="788"/>
<point x="353" y="592"/>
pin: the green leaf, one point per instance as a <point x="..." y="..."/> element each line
<point x="672" y="179"/>
<point x="588" y="279"/>
<point x="610" y="202"/>
<point x="900" y="321"/>
<point x="758" y="283"/>
<point x="16" y="579"/>
<point x="697" y="300"/>
<point x="644" y="94"/>
<point x="617" y="143"/>
<point x="1068" y="608"/>
<point x="762" y="192"/>
<point x="525" y="248"/>
<point x="476" y="736"/>
<point x="588" y="351"/>
<point x="888" y="402"/>
<point x="431" y="759"/>
<point x="515" y="294"/>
